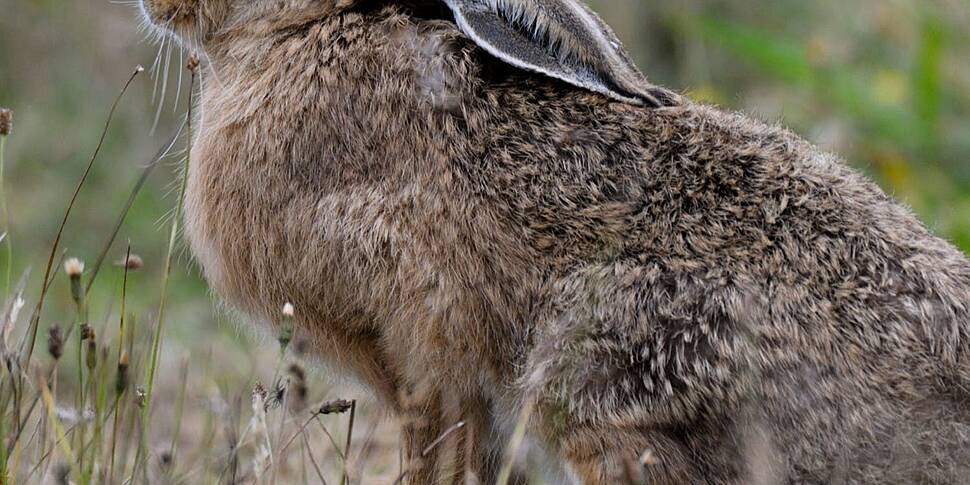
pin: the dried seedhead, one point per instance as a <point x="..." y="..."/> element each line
<point x="338" y="406"/>
<point x="121" y="381"/>
<point x="55" y="342"/>
<point x="92" y="354"/>
<point x="299" y="389"/>
<point x="6" y="121"/>
<point x="74" y="267"/>
<point x="132" y="262"/>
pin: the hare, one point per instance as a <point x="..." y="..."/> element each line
<point x="485" y="212"/>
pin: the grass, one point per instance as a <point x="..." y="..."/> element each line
<point x="79" y="413"/>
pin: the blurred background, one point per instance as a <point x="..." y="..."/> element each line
<point x="884" y="83"/>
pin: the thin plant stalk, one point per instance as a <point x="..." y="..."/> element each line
<point x="61" y="436"/>
<point x="35" y="321"/>
<point x="120" y="391"/>
<point x="142" y="179"/>
<point x="4" y="212"/>
<point x="350" y="437"/>
<point x="428" y="449"/>
<point x="518" y="435"/>
<point x="166" y="274"/>
<point x="179" y="407"/>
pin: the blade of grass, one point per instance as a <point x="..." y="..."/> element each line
<point x="142" y="179"/>
<point x="4" y="212"/>
<point x="35" y="321"/>
<point x="166" y="277"/>
<point x="518" y="435"/>
<point x="350" y="435"/>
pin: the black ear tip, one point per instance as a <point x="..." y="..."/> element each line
<point x="665" y="98"/>
<point x="658" y="98"/>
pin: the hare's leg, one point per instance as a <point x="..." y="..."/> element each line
<point x="475" y="458"/>
<point x="610" y="455"/>
<point x="359" y="354"/>
<point x="628" y="362"/>
<point x="473" y="450"/>
<point x="422" y="420"/>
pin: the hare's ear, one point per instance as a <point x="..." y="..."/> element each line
<point x="563" y="39"/>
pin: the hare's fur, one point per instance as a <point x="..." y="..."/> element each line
<point x="681" y="281"/>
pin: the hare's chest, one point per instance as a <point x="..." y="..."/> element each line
<point x="332" y="249"/>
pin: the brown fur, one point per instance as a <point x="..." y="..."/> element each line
<point x="680" y="280"/>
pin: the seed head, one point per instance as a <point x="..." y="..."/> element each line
<point x="55" y="342"/>
<point x="286" y="329"/>
<point x="87" y="332"/>
<point x="193" y="63"/>
<point x="278" y="393"/>
<point x="259" y="397"/>
<point x="133" y="262"/>
<point x="74" y="267"/>
<point x="339" y="406"/>
<point x="6" y="121"/>
<point x="298" y="395"/>
<point x="121" y="381"/>
<point x="92" y="355"/>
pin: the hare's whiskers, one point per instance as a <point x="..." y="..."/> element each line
<point x="164" y="74"/>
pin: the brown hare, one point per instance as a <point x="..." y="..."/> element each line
<point x="482" y="206"/>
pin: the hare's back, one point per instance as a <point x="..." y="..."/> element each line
<point x="703" y="259"/>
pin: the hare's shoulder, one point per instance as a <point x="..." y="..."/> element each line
<point x="590" y="178"/>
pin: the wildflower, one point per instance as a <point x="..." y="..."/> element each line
<point x="286" y="329"/>
<point x="74" y="268"/>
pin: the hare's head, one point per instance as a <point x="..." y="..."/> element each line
<point x="563" y="39"/>
<point x="188" y="20"/>
<point x="195" y="22"/>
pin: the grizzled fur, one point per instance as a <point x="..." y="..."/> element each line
<point x="680" y="280"/>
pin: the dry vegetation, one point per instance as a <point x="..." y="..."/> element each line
<point x="95" y="399"/>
